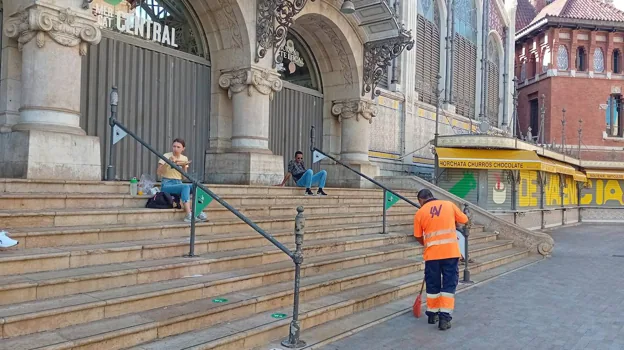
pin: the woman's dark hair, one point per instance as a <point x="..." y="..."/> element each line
<point x="180" y="141"/>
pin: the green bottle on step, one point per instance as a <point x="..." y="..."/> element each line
<point x="134" y="186"/>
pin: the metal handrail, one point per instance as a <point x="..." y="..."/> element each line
<point x="465" y="232"/>
<point x="296" y="256"/>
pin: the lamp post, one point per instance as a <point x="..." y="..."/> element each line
<point x="515" y="110"/>
<point x="563" y="124"/>
<point x="580" y="133"/>
<point x="114" y="101"/>
<point x="437" y="127"/>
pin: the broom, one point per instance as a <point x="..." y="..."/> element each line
<point x="417" y="308"/>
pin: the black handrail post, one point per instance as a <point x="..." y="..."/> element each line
<point x="466" y="235"/>
<point x="293" y="340"/>
<point x="385" y="199"/>
<point x="191" y="253"/>
<point x="312" y="139"/>
<point x="114" y="101"/>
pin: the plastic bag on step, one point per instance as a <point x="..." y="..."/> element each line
<point x="146" y="184"/>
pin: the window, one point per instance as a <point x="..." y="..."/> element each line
<point x="616" y="61"/>
<point x="562" y="58"/>
<point x="523" y="71"/>
<point x="581" y="59"/>
<point x="612" y="114"/>
<point x="534" y="110"/>
<point x="598" y="61"/>
<point x="545" y="60"/>
<point x="427" y="51"/>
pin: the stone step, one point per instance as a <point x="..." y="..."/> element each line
<point x="245" y="318"/>
<point x="105" y="217"/>
<point x="27" y="318"/>
<point x="120" y="187"/>
<point x="50" y="201"/>
<point x="261" y="329"/>
<point x="49" y="259"/>
<point x="326" y="333"/>
<point x="44" y="285"/>
<point x="83" y="235"/>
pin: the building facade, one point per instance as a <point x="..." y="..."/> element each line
<point x="569" y="67"/>
<point x="243" y="81"/>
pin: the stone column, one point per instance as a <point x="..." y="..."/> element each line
<point x="249" y="161"/>
<point x="355" y="117"/>
<point x="47" y="140"/>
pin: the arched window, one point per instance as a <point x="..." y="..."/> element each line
<point x="493" y="93"/>
<point x="598" y="60"/>
<point x="167" y="22"/>
<point x="581" y="59"/>
<point x="545" y="59"/>
<point x="427" y="50"/>
<point x="617" y="57"/>
<point x="465" y="58"/>
<point x="297" y="65"/>
<point x="523" y="71"/>
<point x="562" y="58"/>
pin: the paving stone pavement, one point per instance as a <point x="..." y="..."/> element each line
<point x="573" y="300"/>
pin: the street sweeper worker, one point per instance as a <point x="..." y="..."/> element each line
<point x="434" y="228"/>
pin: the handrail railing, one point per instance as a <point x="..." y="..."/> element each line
<point x="296" y="256"/>
<point x="465" y="233"/>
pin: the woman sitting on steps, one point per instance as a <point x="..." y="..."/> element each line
<point x="172" y="179"/>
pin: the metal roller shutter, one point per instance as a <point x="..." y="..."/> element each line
<point x="552" y="191"/>
<point x="461" y="182"/>
<point x="528" y="196"/>
<point x="499" y="190"/>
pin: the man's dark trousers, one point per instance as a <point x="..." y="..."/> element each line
<point x="441" y="277"/>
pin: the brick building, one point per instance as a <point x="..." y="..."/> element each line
<point x="569" y="55"/>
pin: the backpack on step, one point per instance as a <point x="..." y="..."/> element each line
<point x="161" y="200"/>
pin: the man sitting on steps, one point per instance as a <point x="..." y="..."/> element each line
<point x="305" y="177"/>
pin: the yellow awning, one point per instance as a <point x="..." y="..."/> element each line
<point x="579" y="176"/>
<point x="563" y="168"/>
<point x="492" y="159"/>
<point x="605" y="174"/>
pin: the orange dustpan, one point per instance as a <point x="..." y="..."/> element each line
<point x="417" y="308"/>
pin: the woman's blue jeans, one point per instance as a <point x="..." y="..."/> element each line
<point x="173" y="186"/>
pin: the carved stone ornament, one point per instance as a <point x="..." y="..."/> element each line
<point x="273" y="20"/>
<point x="62" y="25"/>
<point x="260" y="80"/>
<point x="378" y="55"/>
<point x="356" y="108"/>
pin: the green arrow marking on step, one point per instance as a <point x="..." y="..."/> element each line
<point x="219" y="300"/>
<point x="278" y="315"/>
<point x="202" y="199"/>
<point x="113" y="2"/>
<point x="391" y="200"/>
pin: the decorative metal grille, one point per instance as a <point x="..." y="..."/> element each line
<point x="562" y="58"/>
<point x="598" y="60"/>
<point x="173" y="14"/>
<point x="427" y="51"/>
<point x="493" y="92"/>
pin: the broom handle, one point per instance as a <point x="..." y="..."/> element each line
<point x="422" y="286"/>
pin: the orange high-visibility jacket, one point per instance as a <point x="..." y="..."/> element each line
<point x="436" y="221"/>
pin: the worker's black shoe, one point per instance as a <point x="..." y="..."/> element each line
<point x="444" y="324"/>
<point x="433" y="319"/>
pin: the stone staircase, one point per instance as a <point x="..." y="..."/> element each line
<point x="96" y="270"/>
